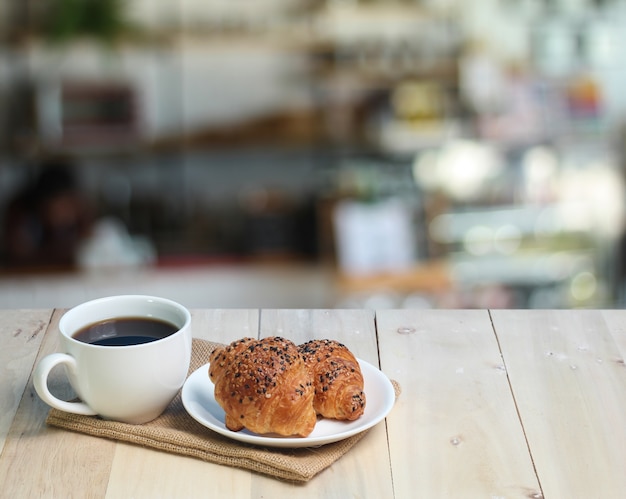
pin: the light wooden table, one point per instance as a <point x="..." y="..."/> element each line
<point x="495" y="404"/>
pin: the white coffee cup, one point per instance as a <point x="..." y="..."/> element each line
<point x="131" y="383"/>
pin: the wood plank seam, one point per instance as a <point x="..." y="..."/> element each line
<point x="393" y="485"/>
<point x="519" y="415"/>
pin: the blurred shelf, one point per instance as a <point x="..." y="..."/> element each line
<point x="429" y="277"/>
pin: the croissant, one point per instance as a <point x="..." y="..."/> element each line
<point x="264" y="386"/>
<point x="337" y="379"/>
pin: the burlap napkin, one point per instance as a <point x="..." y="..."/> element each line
<point x="177" y="432"/>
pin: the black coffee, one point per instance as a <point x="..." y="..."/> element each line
<point x="125" y="331"/>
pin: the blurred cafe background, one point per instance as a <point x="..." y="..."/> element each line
<point x="314" y="153"/>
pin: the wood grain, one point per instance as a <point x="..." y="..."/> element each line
<point x="569" y="382"/>
<point x="454" y="431"/>
<point x="355" y="328"/>
<point x="616" y="322"/>
<point x="21" y="334"/>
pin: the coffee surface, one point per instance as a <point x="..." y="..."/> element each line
<point x="125" y="331"/>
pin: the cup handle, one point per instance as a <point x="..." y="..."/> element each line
<point x="40" y="380"/>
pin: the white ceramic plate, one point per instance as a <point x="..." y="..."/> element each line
<point x="201" y="405"/>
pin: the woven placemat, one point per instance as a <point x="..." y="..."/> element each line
<point x="177" y="432"/>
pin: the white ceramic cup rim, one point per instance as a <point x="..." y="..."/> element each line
<point x="68" y="328"/>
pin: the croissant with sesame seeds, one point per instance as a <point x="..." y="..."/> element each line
<point x="264" y="386"/>
<point x="337" y="379"/>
